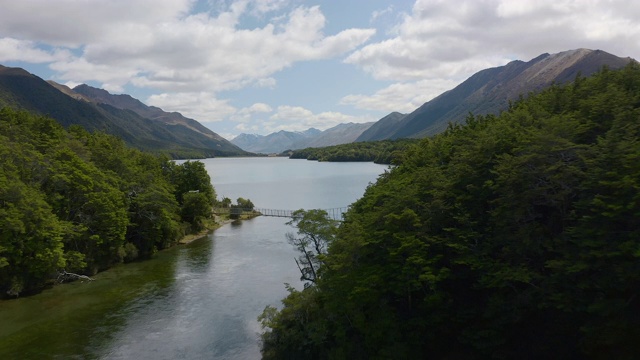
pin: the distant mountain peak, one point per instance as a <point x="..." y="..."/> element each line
<point x="490" y="90"/>
<point x="127" y="102"/>
<point x="282" y="140"/>
<point x="20" y="89"/>
<point x="68" y="91"/>
<point x="14" y="71"/>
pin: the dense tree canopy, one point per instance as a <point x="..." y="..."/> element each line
<point x="513" y="236"/>
<point x="83" y="202"/>
<point x="380" y="152"/>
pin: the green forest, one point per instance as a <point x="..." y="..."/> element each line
<point x="380" y="152"/>
<point x="514" y="236"/>
<point x="80" y="202"/>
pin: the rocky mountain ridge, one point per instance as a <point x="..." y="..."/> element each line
<point x="489" y="91"/>
<point x="143" y="127"/>
<point x="282" y="140"/>
<point x="126" y="102"/>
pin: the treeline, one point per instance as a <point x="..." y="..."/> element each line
<point x="82" y="202"/>
<point x="380" y="152"/>
<point x="512" y="237"/>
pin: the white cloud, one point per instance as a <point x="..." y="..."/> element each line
<point x="379" y="13"/>
<point x="83" y="70"/>
<point x="189" y="53"/>
<point x="260" y="107"/>
<point x="247" y="129"/>
<point x="454" y="39"/>
<point x="71" y="84"/>
<point x="246" y="114"/>
<point x="74" y="23"/>
<point x="261" y="7"/>
<point x="441" y="43"/>
<point x="202" y="106"/>
<point x="252" y="119"/>
<point x="158" y="44"/>
<point x="402" y="97"/>
<point x="161" y="45"/>
<point x="19" y="50"/>
<point x="296" y="118"/>
<point x="266" y="83"/>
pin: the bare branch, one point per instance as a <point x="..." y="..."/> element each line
<point x="67" y="275"/>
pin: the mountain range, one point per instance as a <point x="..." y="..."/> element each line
<point x="150" y="128"/>
<point x="488" y="91"/>
<point x="291" y="140"/>
<point x="141" y="126"/>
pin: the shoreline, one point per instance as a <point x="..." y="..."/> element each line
<point x="219" y="222"/>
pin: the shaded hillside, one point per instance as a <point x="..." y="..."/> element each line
<point x="126" y="102"/>
<point x="68" y="91"/>
<point x="22" y="90"/>
<point x="489" y="91"/>
<point x="381" y="128"/>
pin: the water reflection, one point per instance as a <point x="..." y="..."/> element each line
<point x="197" y="255"/>
<point x="198" y="301"/>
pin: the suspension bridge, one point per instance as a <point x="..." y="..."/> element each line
<point x="333" y="213"/>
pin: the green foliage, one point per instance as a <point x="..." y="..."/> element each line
<point x="241" y="206"/>
<point x="21" y="90"/>
<point x="30" y="237"/>
<point x="245" y="204"/>
<point x="193" y="191"/>
<point x="225" y="202"/>
<point x="295" y="330"/>
<point x="195" y="208"/>
<point x="380" y="152"/>
<point x="513" y="236"/>
<point x="82" y="202"/>
<point x="315" y="232"/>
<point x="154" y="218"/>
<point x="191" y="176"/>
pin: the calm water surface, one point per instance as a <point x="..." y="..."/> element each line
<point x="198" y="301"/>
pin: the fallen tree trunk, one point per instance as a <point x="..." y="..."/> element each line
<point x="64" y="275"/>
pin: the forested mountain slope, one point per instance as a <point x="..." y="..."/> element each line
<point x="21" y="90"/>
<point x="82" y="202"/>
<point x="176" y="123"/>
<point x="489" y="91"/>
<point x="382" y="128"/>
<point x="513" y="236"/>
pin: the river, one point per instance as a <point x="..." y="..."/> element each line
<point x="195" y="301"/>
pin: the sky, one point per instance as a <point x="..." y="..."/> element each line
<point x="261" y="66"/>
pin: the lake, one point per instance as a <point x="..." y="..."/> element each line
<point x="195" y="301"/>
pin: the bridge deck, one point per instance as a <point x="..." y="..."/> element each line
<point x="334" y="213"/>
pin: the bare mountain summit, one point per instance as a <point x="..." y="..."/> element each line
<point x="178" y="137"/>
<point x="489" y="91"/>
<point x="126" y="102"/>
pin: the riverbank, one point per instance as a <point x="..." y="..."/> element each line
<point x="218" y="222"/>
